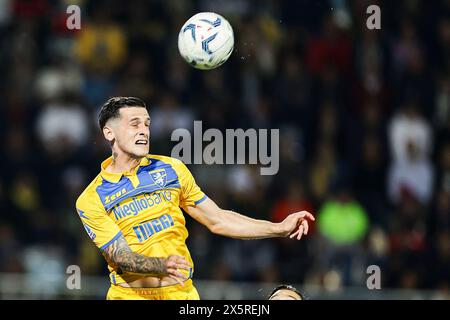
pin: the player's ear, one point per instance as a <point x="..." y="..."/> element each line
<point x="108" y="133"/>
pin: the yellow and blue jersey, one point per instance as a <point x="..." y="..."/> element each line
<point x="143" y="206"/>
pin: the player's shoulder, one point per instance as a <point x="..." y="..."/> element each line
<point x="89" y="194"/>
<point x="166" y="159"/>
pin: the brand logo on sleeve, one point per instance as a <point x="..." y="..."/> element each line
<point x="89" y="231"/>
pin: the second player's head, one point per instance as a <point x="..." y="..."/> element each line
<point x="285" y="292"/>
<point x="125" y="123"/>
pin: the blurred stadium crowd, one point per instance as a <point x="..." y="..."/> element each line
<point x="364" y="119"/>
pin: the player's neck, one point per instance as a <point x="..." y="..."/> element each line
<point x="122" y="163"/>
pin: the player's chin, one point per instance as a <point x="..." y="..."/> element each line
<point x="140" y="150"/>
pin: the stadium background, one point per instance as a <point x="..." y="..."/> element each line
<point x="364" y="118"/>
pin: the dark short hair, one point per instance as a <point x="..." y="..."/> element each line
<point x="110" y="108"/>
<point x="286" y="287"/>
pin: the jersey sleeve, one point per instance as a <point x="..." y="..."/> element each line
<point x="191" y="194"/>
<point x="99" y="226"/>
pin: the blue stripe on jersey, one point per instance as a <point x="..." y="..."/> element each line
<point x="106" y="245"/>
<point x="201" y="200"/>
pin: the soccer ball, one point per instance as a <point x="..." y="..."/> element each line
<point x="206" y="40"/>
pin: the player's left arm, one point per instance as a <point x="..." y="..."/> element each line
<point x="235" y="225"/>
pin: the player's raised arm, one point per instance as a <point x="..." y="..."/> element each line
<point x="232" y="224"/>
<point x="120" y="255"/>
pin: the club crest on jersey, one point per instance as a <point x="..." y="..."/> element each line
<point x="159" y="177"/>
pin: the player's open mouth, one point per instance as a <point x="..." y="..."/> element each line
<point x="142" y="142"/>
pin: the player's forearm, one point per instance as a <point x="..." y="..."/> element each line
<point x="131" y="262"/>
<point x="234" y="225"/>
<point x="120" y="255"/>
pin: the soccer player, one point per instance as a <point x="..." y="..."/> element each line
<point x="285" y="292"/>
<point x="131" y="211"/>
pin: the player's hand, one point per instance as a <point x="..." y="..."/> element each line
<point x="296" y="224"/>
<point x="173" y="266"/>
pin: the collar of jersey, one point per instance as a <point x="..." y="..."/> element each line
<point x="115" y="177"/>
